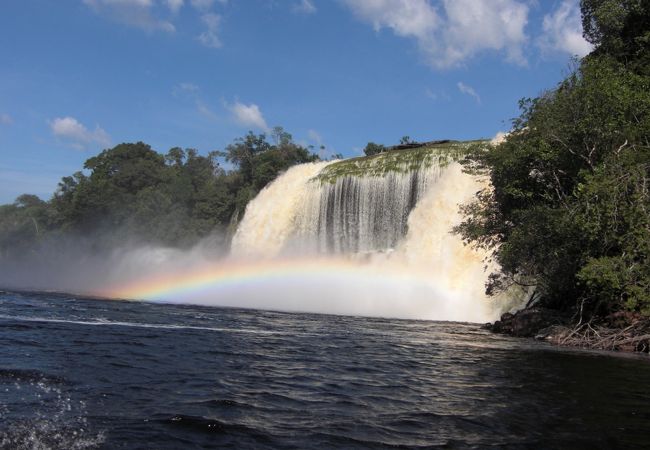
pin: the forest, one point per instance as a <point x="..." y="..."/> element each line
<point x="132" y="192"/>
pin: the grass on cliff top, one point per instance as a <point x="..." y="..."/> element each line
<point x="400" y="161"/>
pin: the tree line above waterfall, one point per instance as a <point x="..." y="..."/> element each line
<point x="569" y="207"/>
<point x="133" y="192"/>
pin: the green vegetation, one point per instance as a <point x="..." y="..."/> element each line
<point x="373" y="149"/>
<point x="569" y="208"/>
<point x="133" y="192"/>
<point x="379" y="164"/>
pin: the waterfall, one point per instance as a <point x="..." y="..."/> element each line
<point x="269" y="219"/>
<point x="360" y="214"/>
<point x="393" y="222"/>
<point x="303" y="212"/>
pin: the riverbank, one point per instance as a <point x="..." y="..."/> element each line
<point x="622" y="331"/>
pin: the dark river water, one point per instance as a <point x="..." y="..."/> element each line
<point x="83" y="373"/>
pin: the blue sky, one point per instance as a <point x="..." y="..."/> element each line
<point x="78" y="76"/>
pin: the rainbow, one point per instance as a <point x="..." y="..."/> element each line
<point x="231" y="275"/>
<point x="314" y="285"/>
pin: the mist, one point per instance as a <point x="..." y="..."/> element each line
<point x="78" y="264"/>
<point x="430" y="275"/>
<point x="288" y="282"/>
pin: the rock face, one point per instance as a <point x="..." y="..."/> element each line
<point x="527" y="322"/>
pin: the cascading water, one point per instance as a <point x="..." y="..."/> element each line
<point x="390" y="219"/>
<point x="360" y="214"/>
<point x="269" y="219"/>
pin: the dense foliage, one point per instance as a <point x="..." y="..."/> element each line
<point x="133" y="192"/>
<point x="569" y="208"/>
<point x="373" y="149"/>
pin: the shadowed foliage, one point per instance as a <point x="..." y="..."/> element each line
<point x="133" y="192"/>
<point x="569" y="208"/>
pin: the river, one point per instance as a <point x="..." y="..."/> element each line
<point x="88" y="373"/>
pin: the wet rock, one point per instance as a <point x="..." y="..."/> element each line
<point x="551" y="333"/>
<point x="529" y="322"/>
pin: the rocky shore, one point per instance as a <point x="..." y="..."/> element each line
<point x="622" y="331"/>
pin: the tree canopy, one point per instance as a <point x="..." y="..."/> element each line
<point x="132" y="191"/>
<point x="569" y="209"/>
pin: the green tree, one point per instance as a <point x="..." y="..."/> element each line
<point x="373" y="149"/>
<point x="23" y="224"/>
<point x="619" y="29"/>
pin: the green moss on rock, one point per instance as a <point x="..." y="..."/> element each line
<point x="399" y="161"/>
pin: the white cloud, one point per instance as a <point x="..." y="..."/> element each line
<point x="452" y="31"/>
<point x="475" y="26"/>
<point x="202" y="5"/>
<point x="5" y="119"/>
<point x="209" y="37"/>
<point x="304" y="7"/>
<point x="468" y="90"/>
<point x="174" y="5"/>
<point x="144" y="14"/>
<point x="136" y="13"/>
<point x="563" y="30"/>
<point x="248" y="115"/>
<point x="77" y="134"/>
<point x="407" y="18"/>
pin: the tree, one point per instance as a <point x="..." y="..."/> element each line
<point x="23" y="224"/>
<point x="619" y="29"/>
<point x="260" y="162"/>
<point x="242" y="153"/>
<point x="373" y="149"/>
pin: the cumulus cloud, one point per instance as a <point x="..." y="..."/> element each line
<point x="136" y="13"/>
<point x="451" y="31"/>
<point x="468" y="90"/>
<point x="209" y="37"/>
<point x="563" y="30"/>
<point x="407" y="18"/>
<point x="80" y="137"/>
<point x="5" y="119"/>
<point x="248" y="115"/>
<point x="304" y="7"/>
